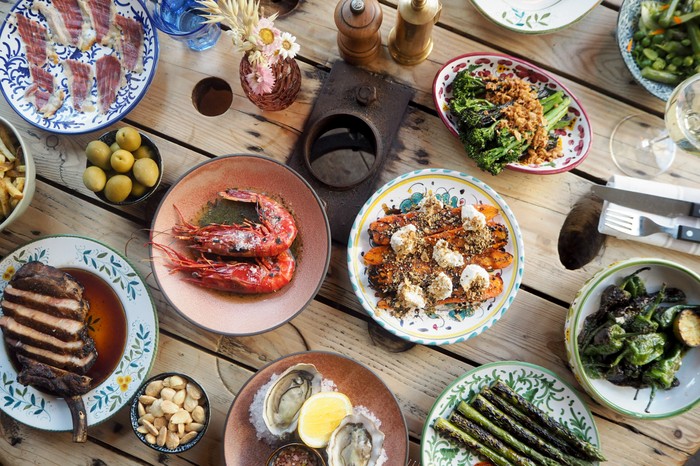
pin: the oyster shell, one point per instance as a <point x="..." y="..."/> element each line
<point x="284" y="398"/>
<point x="357" y="441"/>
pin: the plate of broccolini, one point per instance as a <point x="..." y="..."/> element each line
<point x="511" y="114"/>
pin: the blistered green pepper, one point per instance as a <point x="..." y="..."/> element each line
<point x="642" y="349"/>
<point x="608" y="340"/>
<point x="662" y="373"/>
<point x="633" y="284"/>
<point x="642" y="322"/>
<point x="665" y="316"/>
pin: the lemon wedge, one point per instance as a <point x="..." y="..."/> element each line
<point x="320" y="415"/>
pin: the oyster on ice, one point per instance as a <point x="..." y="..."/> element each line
<point x="357" y="441"/>
<point x="285" y="396"/>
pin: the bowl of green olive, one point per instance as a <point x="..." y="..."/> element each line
<point x="123" y="166"/>
<point x="633" y="338"/>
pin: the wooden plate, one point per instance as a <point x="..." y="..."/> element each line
<point x="361" y="385"/>
<point x="225" y="312"/>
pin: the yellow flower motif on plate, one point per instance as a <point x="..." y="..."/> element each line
<point x="9" y="272"/>
<point x="123" y="382"/>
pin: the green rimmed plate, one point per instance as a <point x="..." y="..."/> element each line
<point x="47" y="412"/>
<point x="539" y="385"/>
<point x="448" y="325"/>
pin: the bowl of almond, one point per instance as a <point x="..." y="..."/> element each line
<point x="170" y="412"/>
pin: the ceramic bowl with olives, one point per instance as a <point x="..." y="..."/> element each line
<point x="633" y="338"/>
<point x="123" y="166"/>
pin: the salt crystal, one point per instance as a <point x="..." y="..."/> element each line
<point x="359" y="409"/>
<point x="327" y="385"/>
<point x="256" y="413"/>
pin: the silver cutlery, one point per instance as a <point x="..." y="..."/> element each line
<point x="639" y="225"/>
<point x="648" y="203"/>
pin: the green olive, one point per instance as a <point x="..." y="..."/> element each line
<point x="137" y="189"/>
<point x="146" y="172"/>
<point x="98" y="153"/>
<point x="94" y="178"/>
<point x="122" y="161"/>
<point x="114" y="147"/>
<point x="128" y="138"/>
<point x="143" y="152"/>
<point x="118" y="188"/>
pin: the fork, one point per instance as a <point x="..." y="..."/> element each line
<point x="639" y="225"/>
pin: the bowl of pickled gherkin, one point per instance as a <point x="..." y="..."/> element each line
<point x="660" y="42"/>
<point x="633" y="337"/>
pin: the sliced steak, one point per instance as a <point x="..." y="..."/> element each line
<point x="13" y="329"/>
<point x="60" y="327"/>
<point x="51" y="379"/>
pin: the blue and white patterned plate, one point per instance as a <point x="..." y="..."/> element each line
<point x="537" y="384"/>
<point x="42" y="411"/>
<point x="535" y="16"/>
<point x="15" y="79"/>
<point x="449" y="325"/>
<point x="626" y="25"/>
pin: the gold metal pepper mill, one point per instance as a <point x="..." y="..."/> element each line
<point x="358" y="22"/>
<point x="410" y="41"/>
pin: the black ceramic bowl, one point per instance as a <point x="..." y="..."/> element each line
<point x="203" y="401"/>
<point x="110" y="138"/>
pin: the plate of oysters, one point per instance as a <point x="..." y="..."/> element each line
<point x="322" y="405"/>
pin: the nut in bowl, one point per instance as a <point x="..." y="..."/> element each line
<point x="170" y="412"/>
<point x="123" y="167"/>
<point x="19" y="175"/>
<point x="627" y="340"/>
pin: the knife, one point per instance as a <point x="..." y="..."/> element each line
<point x="647" y="202"/>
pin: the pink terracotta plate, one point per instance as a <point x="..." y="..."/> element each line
<point x="361" y="385"/>
<point x="227" y="312"/>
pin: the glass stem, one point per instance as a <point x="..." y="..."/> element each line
<point x="652" y="142"/>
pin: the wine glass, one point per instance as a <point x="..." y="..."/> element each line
<point x="642" y="147"/>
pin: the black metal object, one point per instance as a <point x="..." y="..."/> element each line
<point x="372" y="108"/>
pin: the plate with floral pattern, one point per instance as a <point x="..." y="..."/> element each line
<point x="15" y="78"/>
<point x="575" y="138"/>
<point x="451" y="323"/>
<point x="130" y="365"/>
<point x="535" y="16"/>
<point x="537" y="384"/>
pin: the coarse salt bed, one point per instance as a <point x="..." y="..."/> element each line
<point x="256" y="409"/>
<point x="327" y="385"/>
<point x="359" y="409"/>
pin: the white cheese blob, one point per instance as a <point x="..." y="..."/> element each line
<point x="445" y="257"/>
<point x="411" y="296"/>
<point x="474" y="278"/>
<point x="472" y="219"/>
<point x="430" y="205"/>
<point x="441" y="288"/>
<point x="404" y="240"/>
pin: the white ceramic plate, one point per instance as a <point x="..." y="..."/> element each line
<point x="535" y="16"/>
<point x="15" y="79"/>
<point x="627" y="400"/>
<point x="404" y="192"/>
<point x="576" y="137"/>
<point x="539" y="385"/>
<point x="37" y="409"/>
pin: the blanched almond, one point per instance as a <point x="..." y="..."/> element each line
<point x="188" y="437"/>
<point x="151" y="428"/>
<point x="142" y="430"/>
<point x="172" y="440"/>
<point x="153" y="389"/>
<point x="181" y="417"/>
<point x="175" y="381"/>
<point x="146" y="417"/>
<point x="179" y="398"/>
<point x="172" y="427"/>
<point x="146" y="400"/>
<point x="160" y="422"/>
<point x="150" y="438"/>
<point x="167" y="393"/>
<point x="180" y="430"/>
<point x="198" y="414"/>
<point x="194" y="427"/>
<point x="190" y="403"/>
<point x="169" y="407"/>
<point x="141" y="409"/>
<point x="193" y="391"/>
<point x="156" y="408"/>
<point x="161" y="436"/>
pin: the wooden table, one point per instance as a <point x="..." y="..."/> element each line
<point x="584" y="57"/>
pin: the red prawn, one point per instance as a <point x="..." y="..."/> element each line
<point x="274" y="234"/>
<point x="265" y="275"/>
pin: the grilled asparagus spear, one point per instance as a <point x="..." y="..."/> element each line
<point x="450" y="430"/>
<point x="481" y="435"/>
<point x="586" y="449"/>
<point x="537" y="444"/>
<point x="538" y="430"/>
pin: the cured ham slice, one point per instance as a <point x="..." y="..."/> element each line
<point x="79" y="76"/>
<point x="131" y="43"/>
<point x="67" y="23"/>
<point x="33" y="37"/>
<point x="101" y="13"/>
<point x="43" y="93"/>
<point x="108" y="72"/>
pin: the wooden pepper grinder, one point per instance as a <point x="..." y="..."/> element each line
<point x="410" y="41"/>
<point x="358" y="22"/>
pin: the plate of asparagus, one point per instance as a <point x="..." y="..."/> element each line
<point x="510" y="412"/>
